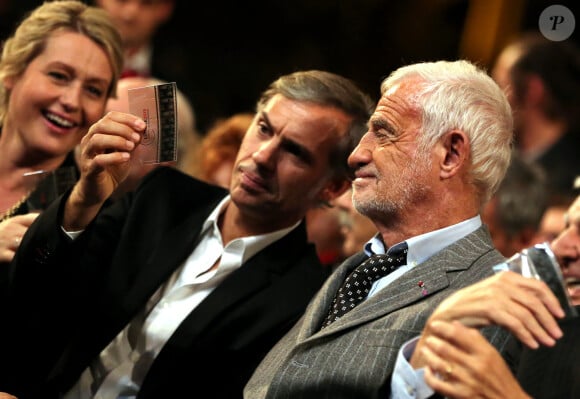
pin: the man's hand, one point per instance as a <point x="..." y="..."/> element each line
<point x="462" y="364"/>
<point x="105" y="155"/>
<point x="525" y="306"/>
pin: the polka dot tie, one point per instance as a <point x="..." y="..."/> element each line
<point x="359" y="282"/>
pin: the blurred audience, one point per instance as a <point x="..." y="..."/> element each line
<point x="553" y="220"/>
<point x="323" y="225"/>
<point x="56" y="73"/>
<point x="138" y="21"/>
<point x="514" y="213"/>
<point x="555" y="217"/>
<point x="154" y="46"/>
<point x="542" y="80"/>
<point x="356" y="228"/>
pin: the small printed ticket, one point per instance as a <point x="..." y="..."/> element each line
<point x="157" y="106"/>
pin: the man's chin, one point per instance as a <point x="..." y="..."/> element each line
<point x="248" y="198"/>
<point x="363" y="205"/>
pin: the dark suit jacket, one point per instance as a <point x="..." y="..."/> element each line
<point x="354" y="357"/>
<point x="553" y="372"/>
<point x="69" y="299"/>
<point x="23" y="209"/>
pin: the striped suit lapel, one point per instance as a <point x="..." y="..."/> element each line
<point x="316" y="312"/>
<point x="433" y="273"/>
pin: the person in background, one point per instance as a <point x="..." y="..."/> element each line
<point x="459" y="361"/>
<point x="437" y="147"/>
<point x="323" y="225"/>
<point x="542" y="80"/>
<point x="179" y="275"/>
<point x="216" y="155"/>
<point x="356" y="228"/>
<point x="554" y="219"/>
<point x="57" y="71"/>
<point x="514" y="213"/>
<point x="188" y="138"/>
<point x="138" y="22"/>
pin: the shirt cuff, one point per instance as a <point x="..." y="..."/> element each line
<point x="408" y="383"/>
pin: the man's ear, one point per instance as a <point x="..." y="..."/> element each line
<point x="334" y="189"/>
<point x="456" y="152"/>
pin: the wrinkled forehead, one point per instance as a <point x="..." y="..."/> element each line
<point x="398" y="101"/>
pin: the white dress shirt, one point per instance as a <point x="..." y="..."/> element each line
<point x="406" y="382"/>
<point x="421" y="248"/>
<point x="119" y="370"/>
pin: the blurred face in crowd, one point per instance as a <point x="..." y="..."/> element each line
<point x="137" y="20"/>
<point x="356" y="228"/>
<point x="501" y="239"/>
<point x="61" y="93"/>
<point x="502" y="67"/>
<point x="283" y="165"/>
<point x="506" y="242"/>
<point x="552" y="223"/>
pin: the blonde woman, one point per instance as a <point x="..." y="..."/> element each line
<point x="56" y="73"/>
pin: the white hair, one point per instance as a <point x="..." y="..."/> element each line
<point x="457" y="95"/>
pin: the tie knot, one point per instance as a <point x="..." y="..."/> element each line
<point x="396" y="255"/>
<point x="358" y="283"/>
<point x="379" y="265"/>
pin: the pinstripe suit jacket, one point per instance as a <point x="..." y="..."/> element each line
<point x="354" y="357"/>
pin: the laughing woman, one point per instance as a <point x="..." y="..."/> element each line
<point x="56" y="73"/>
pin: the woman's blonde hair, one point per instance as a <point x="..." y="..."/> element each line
<point x="29" y="39"/>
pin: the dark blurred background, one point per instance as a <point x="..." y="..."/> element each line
<point x="228" y="51"/>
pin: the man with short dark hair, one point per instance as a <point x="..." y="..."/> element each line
<point x="180" y="288"/>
